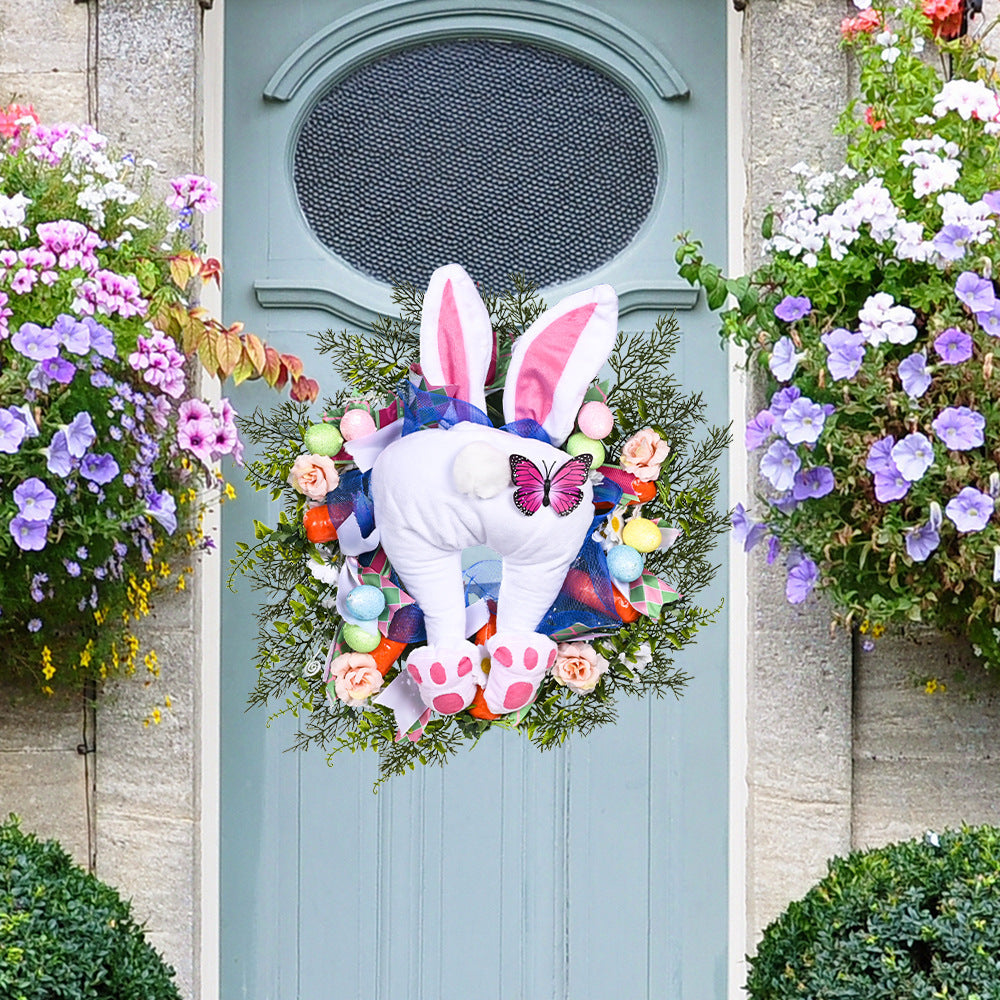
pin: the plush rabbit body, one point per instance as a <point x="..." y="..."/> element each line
<point x="438" y="492"/>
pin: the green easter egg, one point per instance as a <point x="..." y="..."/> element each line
<point x="323" y="439"/>
<point x="360" y="639"/>
<point x="580" y="444"/>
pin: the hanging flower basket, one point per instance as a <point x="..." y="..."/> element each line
<point x="874" y="321"/>
<point x="490" y="538"/>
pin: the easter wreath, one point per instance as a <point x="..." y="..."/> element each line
<point x="388" y="622"/>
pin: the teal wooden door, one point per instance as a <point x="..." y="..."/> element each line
<point x="599" y="870"/>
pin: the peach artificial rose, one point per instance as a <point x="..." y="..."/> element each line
<point x="643" y="454"/>
<point x="578" y="666"/>
<point x="314" y="475"/>
<point x="355" y="677"/>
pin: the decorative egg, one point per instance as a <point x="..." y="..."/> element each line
<point x="595" y="419"/>
<point x="356" y="423"/>
<point x="580" y="444"/>
<point x="319" y="527"/>
<point x="365" y="603"/>
<point x="360" y="639"/>
<point x="625" y="563"/>
<point x="644" y="492"/>
<point x="642" y="534"/>
<point x="324" y="439"/>
<point x="625" y="611"/>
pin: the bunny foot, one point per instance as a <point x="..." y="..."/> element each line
<point x="519" y="662"/>
<point x="447" y="675"/>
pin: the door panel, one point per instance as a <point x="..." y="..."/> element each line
<point x="597" y="870"/>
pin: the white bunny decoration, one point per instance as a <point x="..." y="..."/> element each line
<point x="438" y="492"/>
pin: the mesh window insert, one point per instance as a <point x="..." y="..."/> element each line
<point x="498" y="156"/>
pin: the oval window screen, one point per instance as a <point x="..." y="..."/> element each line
<point x="501" y="157"/>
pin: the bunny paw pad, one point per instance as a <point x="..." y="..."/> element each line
<point x="519" y="663"/>
<point x="447" y="676"/>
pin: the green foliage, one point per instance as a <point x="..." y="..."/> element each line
<point x="920" y="920"/>
<point x="66" y="936"/>
<point x="297" y="620"/>
<point x="859" y="541"/>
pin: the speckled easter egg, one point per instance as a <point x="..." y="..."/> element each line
<point x="365" y="603"/>
<point x="580" y="444"/>
<point x="356" y="424"/>
<point x="625" y="563"/>
<point x="595" y="419"/>
<point x="360" y="639"/>
<point x="642" y="534"/>
<point x="324" y="439"/>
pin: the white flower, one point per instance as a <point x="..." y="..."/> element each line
<point x="12" y="210"/>
<point x="862" y="4"/>
<point x="324" y="573"/>
<point x="640" y="659"/>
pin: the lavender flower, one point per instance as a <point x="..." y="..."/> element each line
<point x="959" y="428"/>
<point x="59" y="370"/>
<point x="101" y="339"/>
<point x="35" y="501"/>
<point x="953" y="346"/>
<point x="951" y="242"/>
<point x="921" y="542"/>
<point x="977" y="293"/>
<point x="28" y="535"/>
<point x="846" y="351"/>
<point x="57" y="457"/>
<point x="34" y="342"/>
<point x="162" y="508"/>
<point x="880" y="456"/>
<point x="802" y="422"/>
<point x="811" y="484"/>
<point x="970" y="510"/>
<point x="80" y="434"/>
<point x="35" y="625"/>
<point x="890" y="484"/>
<point x="784" y="360"/>
<point x="992" y="201"/>
<point x="37" y="594"/>
<point x="773" y="548"/>
<point x="913" y="456"/>
<point x="782" y="399"/>
<point x="759" y="429"/>
<point x="802" y="577"/>
<point x="791" y="308"/>
<point x="12" y="432"/>
<point x="99" y="469"/>
<point x="72" y="568"/>
<point x="914" y="375"/>
<point x="779" y="465"/>
<point x="989" y="322"/>
<point x="72" y="334"/>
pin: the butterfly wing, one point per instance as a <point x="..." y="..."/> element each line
<point x="565" y="491"/>
<point x="530" y="482"/>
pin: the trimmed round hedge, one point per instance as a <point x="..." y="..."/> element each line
<point x="918" y="920"/>
<point x="66" y="936"/>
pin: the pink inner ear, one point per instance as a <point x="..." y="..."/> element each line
<point x="544" y="362"/>
<point x="451" y="344"/>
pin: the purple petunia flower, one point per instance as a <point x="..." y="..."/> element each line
<point x="12" y="432"/>
<point x="783" y="360"/>
<point x="959" y="428"/>
<point x="811" y="484"/>
<point x="890" y="484"/>
<point x="880" y="456"/>
<point x="59" y="370"/>
<point x="791" y="308"/>
<point x="24" y="414"/>
<point x="992" y="201"/>
<point x="34" y="342"/>
<point x="977" y="293"/>
<point x="802" y="422"/>
<point x="37" y="594"/>
<point x="785" y="503"/>
<point x="846" y="351"/>
<point x="57" y="457"/>
<point x="951" y="242"/>
<point x="784" y="398"/>
<point x="779" y="465"/>
<point x="83" y="553"/>
<point x="99" y="469"/>
<point x="989" y="322"/>
<point x="759" y="429"/>
<point x="101" y="339"/>
<point x="72" y="334"/>
<point x="913" y="456"/>
<point x="35" y="501"/>
<point x="802" y="578"/>
<point x="970" y="510"/>
<point x="163" y="508"/>
<point x="914" y="375"/>
<point x="29" y="535"/>
<point x="921" y="542"/>
<point x="35" y="625"/>
<point x="72" y="568"/>
<point x="80" y="434"/>
<point x="773" y="548"/>
<point x="953" y="346"/>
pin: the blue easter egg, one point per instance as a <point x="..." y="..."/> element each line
<point x="365" y="603"/>
<point x="625" y="563"/>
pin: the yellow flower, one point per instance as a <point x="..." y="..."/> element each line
<point x="230" y="492"/>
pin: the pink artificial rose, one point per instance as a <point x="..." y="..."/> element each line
<point x="643" y="454"/>
<point x="578" y="666"/>
<point x="355" y="677"/>
<point x="314" y="475"/>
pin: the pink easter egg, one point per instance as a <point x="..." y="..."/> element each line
<point x="595" y="419"/>
<point x="356" y="424"/>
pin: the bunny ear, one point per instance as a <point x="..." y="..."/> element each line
<point x="456" y="336"/>
<point x="556" y="358"/>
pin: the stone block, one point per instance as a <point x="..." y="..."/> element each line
<point x="57" y="97"/>
<point x="44" y="36"/>
<point x="151" y="860"/>
<point x="30" y="720"/>
<point x="47" y="789"/>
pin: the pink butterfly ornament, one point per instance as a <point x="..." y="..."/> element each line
<point x="537" y="488"/>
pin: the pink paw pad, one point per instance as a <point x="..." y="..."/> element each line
<point x="446" y="675"/>
<point x="516" y="671"/>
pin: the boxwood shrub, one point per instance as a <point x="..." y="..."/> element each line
<point x="918" y="920"/>
<point x="66" y="936"/>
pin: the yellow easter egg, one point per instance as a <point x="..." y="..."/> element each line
<point x="642" y="534"/>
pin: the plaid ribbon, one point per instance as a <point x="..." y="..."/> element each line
<point x="649" y="594"/>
